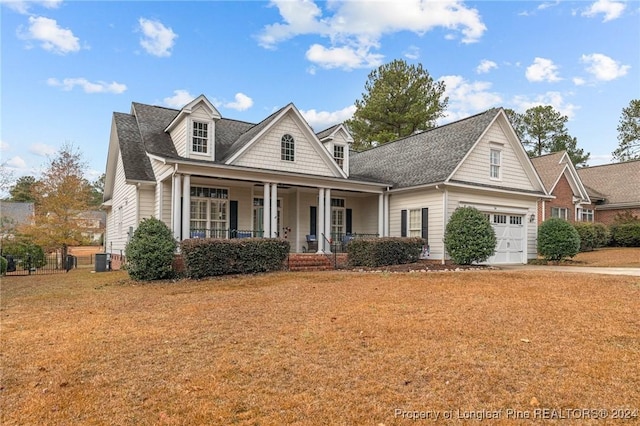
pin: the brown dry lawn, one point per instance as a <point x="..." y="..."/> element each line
<point x="324" y="348"/>
<point x="610" y="257"/>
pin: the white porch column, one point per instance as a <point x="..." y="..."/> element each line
<point x="381" y="215"/>
<point x="274" y="210"/>
<point x="266" y="217"/>
<point x="327" y="219"/>
<point x="320" y="222"/>
<point x="176" y="211"/>
<point x="186" y="207"/>
<point x="386" y="215"/>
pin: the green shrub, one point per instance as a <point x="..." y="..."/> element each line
<point x="377" y="252"/>
<point x="3" y="265"/>
<point x="603" y="235"/>
<point x="557" y="239"/>
<point x="626" y="234"/>
<point x="150" y="252"/>
<point x="469" y="237"/>
<point x="206" y="257"/>
<point x="587" y="234"/>
<point x="25" y="250"/>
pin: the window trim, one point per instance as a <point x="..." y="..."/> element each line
<point x="287" y="148"/>
<point x="495" y="166"/>
<point x="560" y="210"/>
<point x="590" y="213"/>
<point x="338" y="159"/>
<point x="206" y="139"/>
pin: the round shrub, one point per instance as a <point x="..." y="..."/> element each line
<point x="469" y="237"/>
<point x="3" y="265"/>
<point x="150" y="252"/>
<point x="557" y="239"/>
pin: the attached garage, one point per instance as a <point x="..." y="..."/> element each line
<point x="511" y="238"/>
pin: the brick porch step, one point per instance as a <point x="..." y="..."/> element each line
<point x="309" y="262"/>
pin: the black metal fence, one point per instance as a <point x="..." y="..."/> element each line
<point x="39" y="264"/>
<point x="224" y="233"/>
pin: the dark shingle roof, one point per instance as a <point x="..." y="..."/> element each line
<point x="326" y="132"/>
<point x="134" y="158"/>
<point x="618" y="182"/>
<point x="427" y="157"/>
<point x="152" y="121"/>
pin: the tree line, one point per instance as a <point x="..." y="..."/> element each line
<point x="401" y="99"/>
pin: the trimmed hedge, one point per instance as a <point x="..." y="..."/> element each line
<point x="592" y="235"/>
<point x="469" y="237"/>
<point x="557" y="239"/>
<point x="207" y="257"/>
<point x="626" y="234"/>
<point x="22" y="249"/>
<point x="150" y="251"/>
<point x="377" y="252"/>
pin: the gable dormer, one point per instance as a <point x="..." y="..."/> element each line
<point x="193" y="129"/>
<point x="337" y="140"/>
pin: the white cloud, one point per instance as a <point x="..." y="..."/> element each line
<point x="603" y="68"/>
<point x="22" y="6"/>
<point x="88" y="87"/>
<point x="157" y="39"/>
<point x="555" y="99"/>
<point x="42" y="150"/>
<point x="597" y="159"/>
<point x="51" y="36"/>
<point x="354" y="28"/>
<point x="542" y="70"/>
<point x="579" y="81"/>
<point x="412" y="52"/>
<point x="242" y="102"/>
<point x="342" y="57"/>
<point x="16" y="163"/>
<point x="467" y="98"/>
<point x="179" y="99"/>
<point x="4" y="146"/>
<point x="486" y="66"/>
<point x="320" y="120"/>
<point x="610" y="9"/>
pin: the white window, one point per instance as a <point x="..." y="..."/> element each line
<point x="494" y="160"/>
<point x="258" y="216"/>
<point x="209" y="212"/>
<point x="586" y="215"/>
<point x="337" y="219"/>
<point x="415" y="223"/>
<point x="338" y="154"/>
<point x="287" y="148"/>
<point x="200" y="137"/>
<point x="515" y="220"/>
<point x="499" y="218"/>
<point x="560" y="212"/>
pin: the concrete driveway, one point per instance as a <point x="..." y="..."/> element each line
<point x="577" y="269"/>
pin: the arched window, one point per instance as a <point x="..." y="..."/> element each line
<point x="287" y="148"/>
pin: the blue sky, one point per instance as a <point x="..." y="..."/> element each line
<point x="68" y="65"/>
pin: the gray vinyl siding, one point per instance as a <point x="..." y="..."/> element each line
<point x="146" y="203"/>
<point x="265" y="153"/>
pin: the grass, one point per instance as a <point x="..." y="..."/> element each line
<point x="315" y="348"/>
<point x="611" y="257"/>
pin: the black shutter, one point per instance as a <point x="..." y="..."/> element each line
<point x="425" y="224"/>
<point x="233" y="219"/>
<point x="312" y="220"/>
<point x="403" y="223"/>
<point x="349" y="221"/>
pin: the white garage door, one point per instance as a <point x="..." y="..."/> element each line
<point x="510" y="238"/>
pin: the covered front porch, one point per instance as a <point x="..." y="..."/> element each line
<point x="316" y="214"/>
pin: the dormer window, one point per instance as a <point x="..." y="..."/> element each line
<point x="287" y="148"/>
<point x="200" y="137"/>
<point x="338" y="154"/>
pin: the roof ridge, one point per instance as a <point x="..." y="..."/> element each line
<point x="610" y="164"/>
<point x="429" y="130"/>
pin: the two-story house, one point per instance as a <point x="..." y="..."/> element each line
<point x="208" y="176"/>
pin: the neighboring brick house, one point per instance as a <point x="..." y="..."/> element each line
<point x="614" y="187"/>
<point x="572" y="200"/>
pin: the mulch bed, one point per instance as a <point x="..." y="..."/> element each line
<point x="421" y="266"/>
